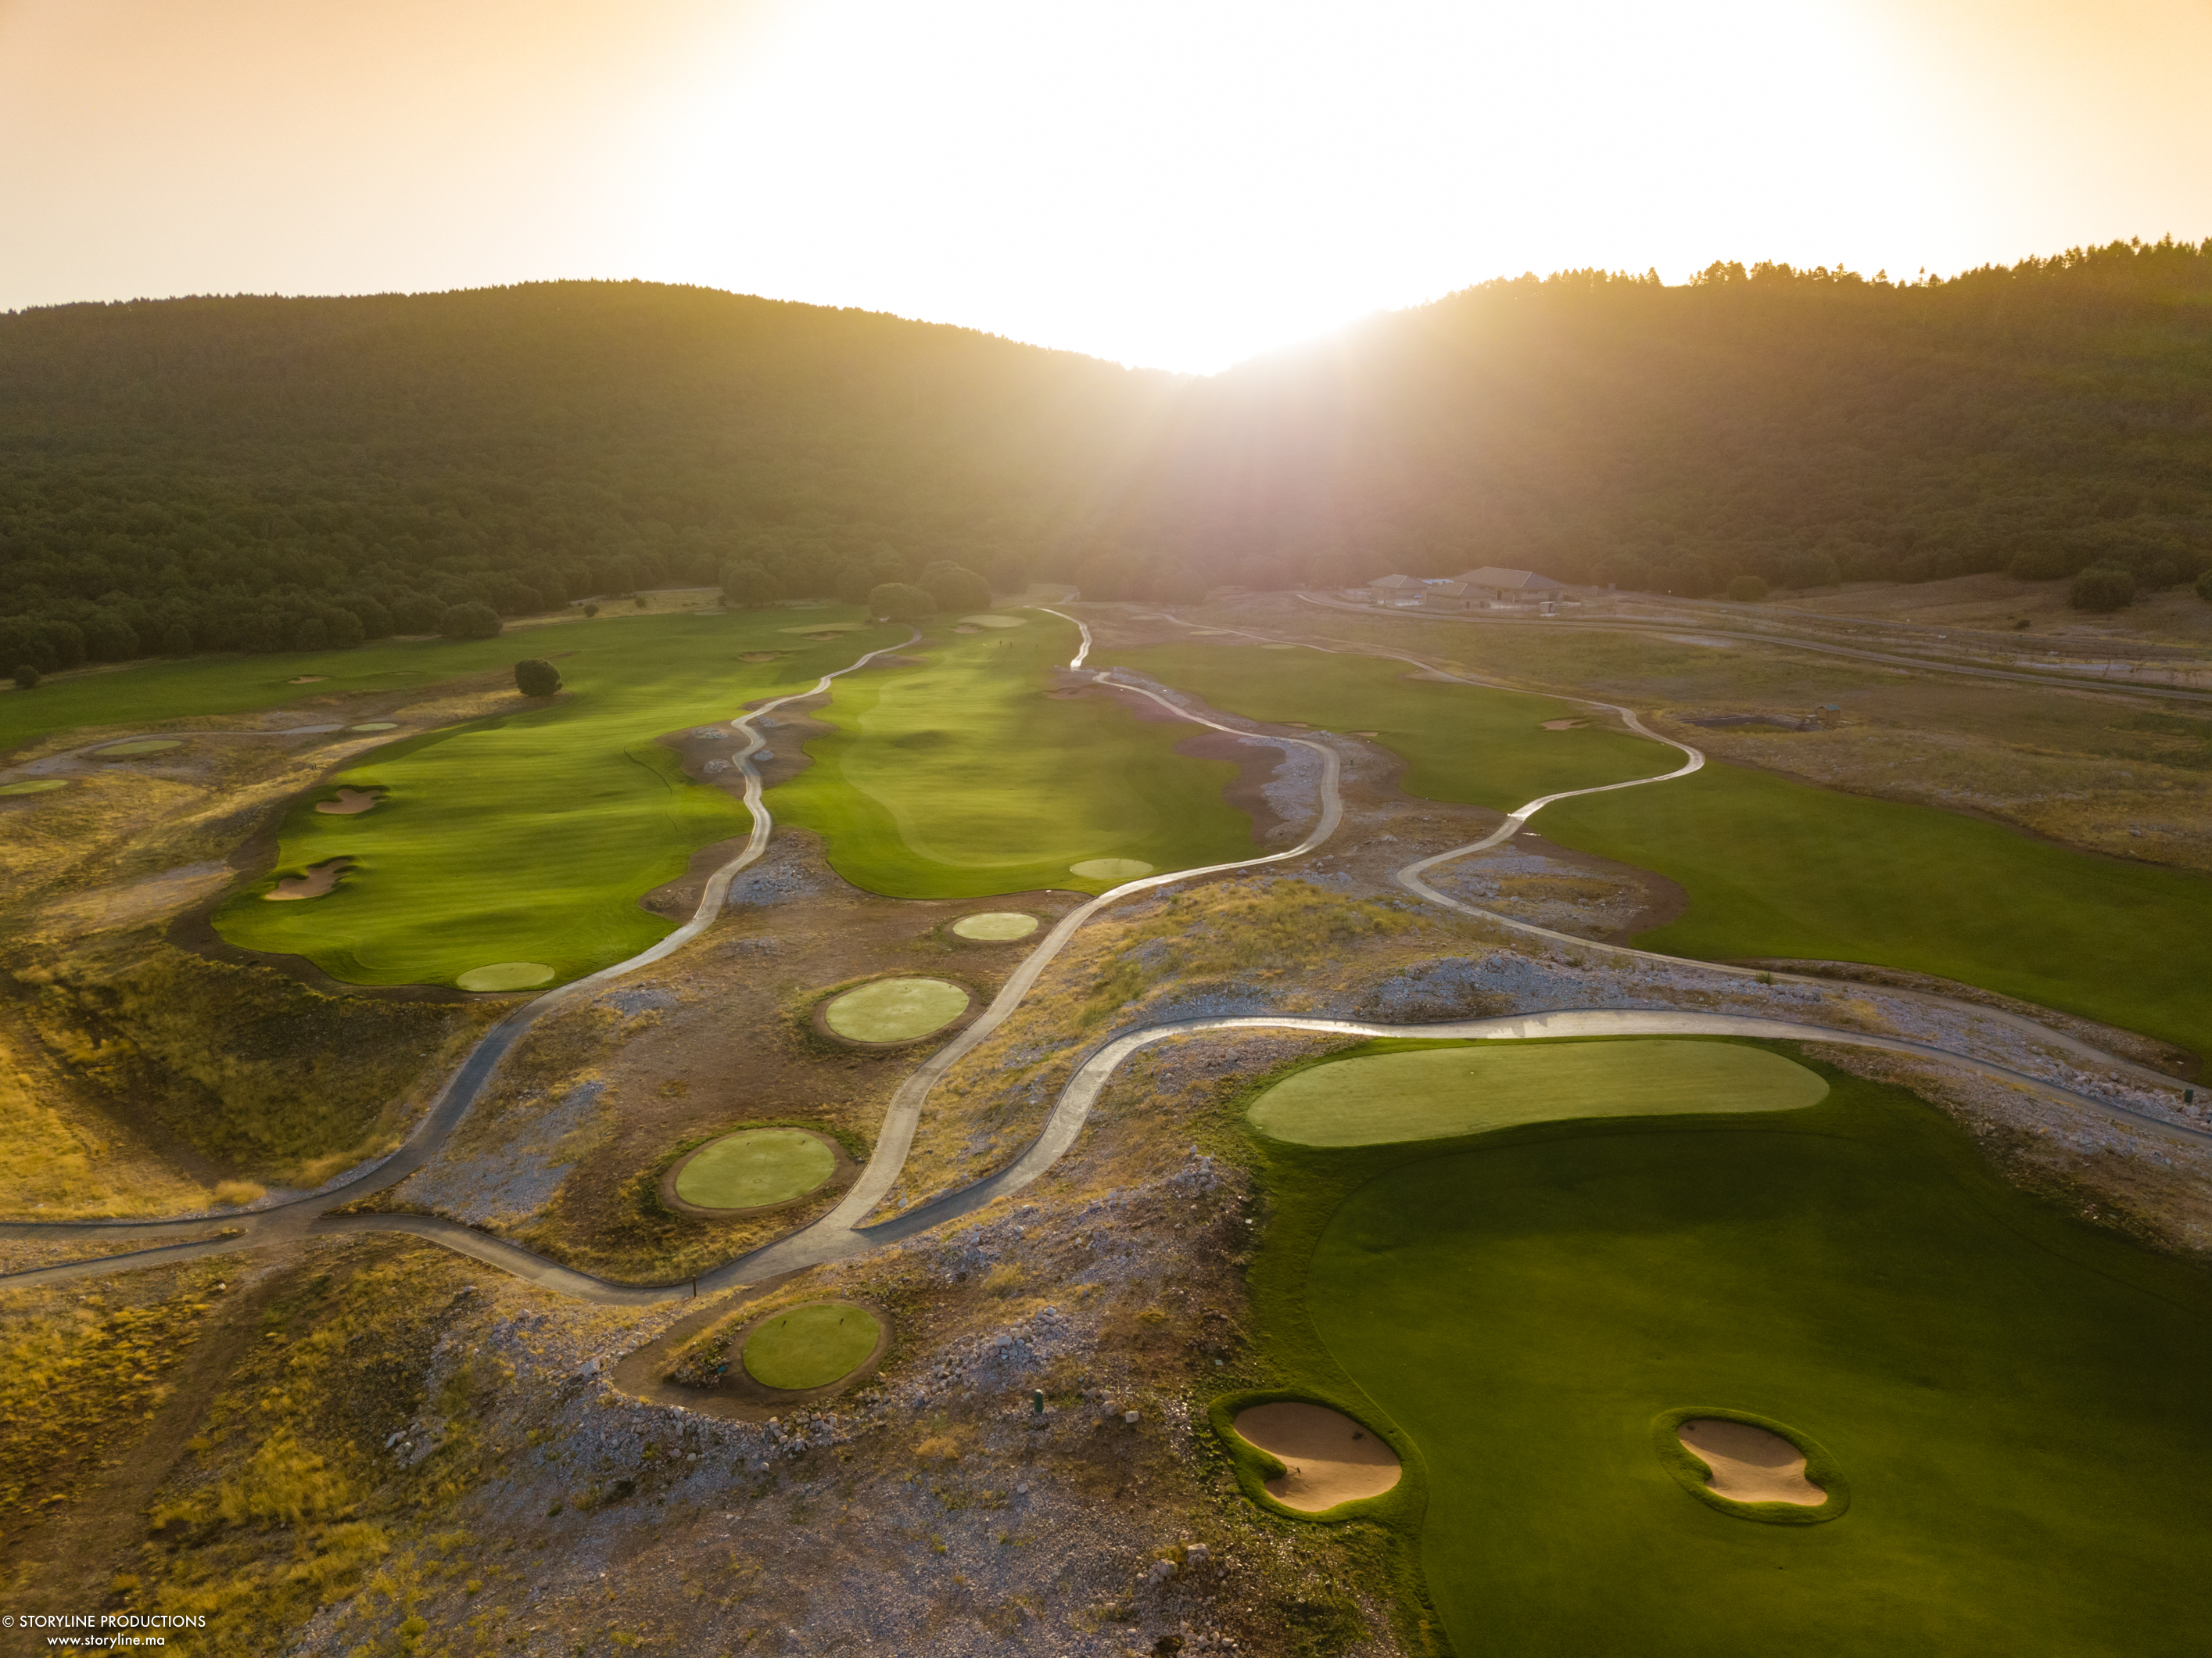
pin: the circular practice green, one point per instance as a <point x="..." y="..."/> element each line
<point x="755" y="1166"/>
<point x="34" y="786"/>
<point x="895" y="1009"/>
<point x="505" y="976"/>
<point x="996" y="926"/>
<point x="1109" y="868"/>
<point x="1429" y="1094"/>
<point x="811" y="1346"/>
<point x="125" y="751"/>
<point x="995" y="621"/>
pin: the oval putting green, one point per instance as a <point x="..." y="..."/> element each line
<point x="1109" y="868"/>
<point x="996" y="926"/>
<point x="753" y="1167"/>
<point x="128" y="751"/>
<point x="895" y="1009"/>
<point x="811" y="1346"/>
<point x="1429" y="1094"/>
<point x="994" y="620"/>
<point x="34" y="786"/>
<point x="505" y="976"/>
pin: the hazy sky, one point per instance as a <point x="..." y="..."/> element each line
<point x="1177" y="184"/>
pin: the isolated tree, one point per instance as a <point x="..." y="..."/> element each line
<point x="27" y="677"/>
<point x="1746" y="589"/>
<point x="897" y="601"/>
<point x="2102" y="587"/>
<point x="470" y="621"/>
<point x="748" y="587"/>
<point x="954" y="587"/>
<point x="591" y="610"/>
<point x="536" y="677"/>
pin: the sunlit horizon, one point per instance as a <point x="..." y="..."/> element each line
<point x="1167" y="186"/>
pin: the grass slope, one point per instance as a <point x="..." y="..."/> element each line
<point x="961" y="779"/>
<point x="1428" y="1093"/>
<point x="2008" y="1392"/>
<point x="531" y="837"/>
<point x="1777" y="869"/>
<point x="1460" y="742"/>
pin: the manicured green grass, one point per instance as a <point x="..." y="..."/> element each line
<point x="1776" y="869"/>
<point x="962" y="778"/>
<point x="755" y="1166"/>
<point x="1429" y="1093"/>
<point x="2012" y="1396"/>
<point x="531" y="837"/>
<point x="1460" y="742"/>
<point x="994" y="926"/>
<point x="811" y="1346"/>
<point x="895" y="1009"/>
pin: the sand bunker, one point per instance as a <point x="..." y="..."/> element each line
<point x="755" y="1168"/>
<point x="895" y="1009"/>
<point x="831" y="628"/>
<point x="1748" y="1464"/>
<point x="995" y="621"/>
<point x="762" y="655"/>
<point x="996" y="926"/>
<point x="1109" y="868"/>
<point x="318" y="880"/>
<point x="124" y="751"/>
<point x="350" y="802"/>
<point x="1328" y="1458"/>
<point x="308" y="679"/>
<point x="376" y="725"/>
<point x="35" y="786"/>
<point x="1565" y="725"/>
<point x="505" y="976"/>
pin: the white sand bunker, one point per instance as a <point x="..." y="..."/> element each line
<point x="994" y="621"/>
<point x="1327" y="1457"/>
<point x="1748" y="1464"/>
<point x="350" y="802"/>
<point x="1565" y="725"/>
<point x="1109" y="868"/>
<point x="505" y="976"/>
<point x="320" y="880"/>
<point x="996" y="926"/>
<point x="308" y="679"/>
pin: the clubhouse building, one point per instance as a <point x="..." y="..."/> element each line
<point x="1485" y="588"/>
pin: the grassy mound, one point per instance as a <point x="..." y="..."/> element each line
<point x="895" y="1009"/>
<point x="2009" y="1391"/>
<point x="953" y="779"/>
<point x="505" y="976"/>
<point x="811" y="1346"/>
<point x="757" y="1167"/>
<point x="996" y="926"/>
<point x="531" y="837"/>
<point x="1432" y="1093"/>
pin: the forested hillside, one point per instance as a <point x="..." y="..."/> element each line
<point x="262" y="473"/>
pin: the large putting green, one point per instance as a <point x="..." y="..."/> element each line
<point x="529" y="839"/>
<point x="895" y="1009"/>
<point x="1776" y="869"/>
<point x="811" y="1346"/>
<point x="755" y="1168"/>
<point x="2012" y="1395"/>
<point x="963" y="778"/>
<point x="1432" y="1093"/>
<point x="1460" y="742"/>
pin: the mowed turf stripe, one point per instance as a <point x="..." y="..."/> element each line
<point x="2011" y="1395"/>
<point x="1434" y="1093"/>
<point x="1470" y="743"/>
<point x="531" y="837"/>
<point x="1776" y="869"/>
<point x="963" y="778"/>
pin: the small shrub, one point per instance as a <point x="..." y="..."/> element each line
<point x="1746" y="589"/>
<point x="2102" y="587"/>
<point x="591" y="610"/>
<point x="27" y="677"/>
<point x="536" y="677"/>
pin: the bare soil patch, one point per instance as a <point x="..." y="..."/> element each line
<point x="1327" y="1458"/>
<point x="1748" y="1464"/>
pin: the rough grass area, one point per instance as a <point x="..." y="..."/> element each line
<point x="1853" y="1269"/>
<point x="1384" y="1092"/>
<point x="963" y="778"/>
<point x="1460" y="742"/>
<point x="811" y="1346"/>
<point x="531" y="836"/>
<point x="1775" y="868"/>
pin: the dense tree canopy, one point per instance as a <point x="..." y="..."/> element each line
<point x="274" y="474"/>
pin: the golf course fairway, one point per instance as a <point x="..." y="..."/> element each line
<point x="755" y="1168"/>
<point x="530" y="837"/>
<point x="1429" y="1093"/>
<point x="963" y="778"/>
<point x="2012" y="1396"/>
<point x="811" y="1346"/>
<point x="1460" y="742"/>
